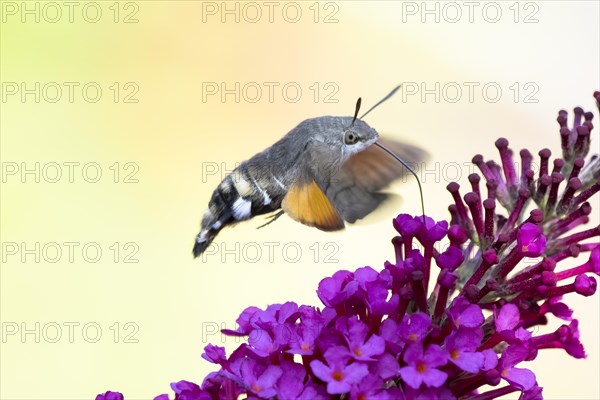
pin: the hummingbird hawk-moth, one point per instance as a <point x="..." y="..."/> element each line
<point x="324" y="172"/>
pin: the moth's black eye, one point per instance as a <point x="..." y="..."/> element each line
<point x="350" y="137"/>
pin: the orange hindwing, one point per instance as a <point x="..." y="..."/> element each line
<point x="306" y="203"/>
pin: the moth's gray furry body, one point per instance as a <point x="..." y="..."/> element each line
<point x="318" y="150"/>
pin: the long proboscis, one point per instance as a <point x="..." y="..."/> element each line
<point x="391" y="153"/>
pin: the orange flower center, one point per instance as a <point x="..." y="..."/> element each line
<point x="337" y="376"/>
<point x="421" y="367"/>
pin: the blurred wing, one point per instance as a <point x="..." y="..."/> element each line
<point x="353" y="190"/>
<point x="306" y="203"/>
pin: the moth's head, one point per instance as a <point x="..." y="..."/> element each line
<point x="357" y="135"/>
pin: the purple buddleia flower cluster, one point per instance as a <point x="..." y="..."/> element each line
<point x="452" y="316"/>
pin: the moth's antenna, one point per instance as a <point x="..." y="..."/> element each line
<point x="391" y="153"/>
<point x="356" y="110"/>
<point x="382" y="100"/>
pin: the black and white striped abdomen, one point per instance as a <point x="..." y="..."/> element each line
<point x="244" y="193"/>
<point x="259" y="191"/>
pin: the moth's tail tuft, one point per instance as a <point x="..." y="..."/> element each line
<point x="209" y="228"/>
<point x="203" y="240"/>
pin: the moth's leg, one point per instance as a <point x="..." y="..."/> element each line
<point x="272" y="219"/>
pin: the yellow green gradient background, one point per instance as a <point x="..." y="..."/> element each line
<point x="172" y="134"/>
